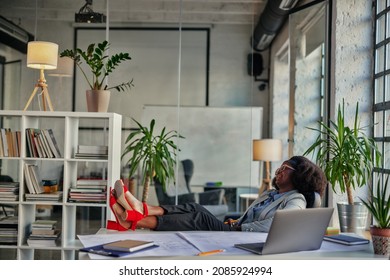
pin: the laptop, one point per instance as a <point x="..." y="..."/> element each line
<point x="292" y="231"/>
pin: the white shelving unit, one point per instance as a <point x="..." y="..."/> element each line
<point x="70" y="129"/>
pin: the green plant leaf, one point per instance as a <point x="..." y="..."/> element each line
<point x="345" y="154"/>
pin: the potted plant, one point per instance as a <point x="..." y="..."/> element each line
<point x="101" y="66"/>
<point x="347" y="157"/>
<point x="154" y="153"/>
<point x="379" y="206"/>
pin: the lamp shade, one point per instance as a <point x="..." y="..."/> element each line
<point x="42" y="55"/>
<point x="267" y="150"/>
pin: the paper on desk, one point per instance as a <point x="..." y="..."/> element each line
<point x="207" y="241"/>
<point x="177" y="243"/>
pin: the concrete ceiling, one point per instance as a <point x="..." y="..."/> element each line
<point x="138" y="11"/>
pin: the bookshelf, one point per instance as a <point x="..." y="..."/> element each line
<point x="71" y="129"/>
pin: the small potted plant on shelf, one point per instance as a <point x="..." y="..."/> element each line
<point x="379" y="207"/>
<point x="348" y="157"/>
<point x="154" y="153"/>
<point x="101" y="66"/>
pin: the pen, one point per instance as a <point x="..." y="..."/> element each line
<point x="208" y="253"/>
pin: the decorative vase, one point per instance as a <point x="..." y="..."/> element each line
<point x="98" y="100"/>
<point x="380" y="240"/>
<point x="352" y="218"/>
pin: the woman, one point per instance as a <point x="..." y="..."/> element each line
<point x="295" y="184"/>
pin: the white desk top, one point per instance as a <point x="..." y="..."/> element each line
<point x="174" y="247"/>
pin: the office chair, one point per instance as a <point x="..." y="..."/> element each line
<point x="212" y="200"/>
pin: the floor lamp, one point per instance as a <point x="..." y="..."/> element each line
<point x="267" y="150"/>
<point x="42" y="56"/>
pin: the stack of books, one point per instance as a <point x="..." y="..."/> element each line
<point x="92" y="152"/>
<point x="9" y="191"/>
<point x="89" y="190"/>
<point x="9" y="230"/>
<point x="41" y="143"/>
<point x="32" y="178"/>
<point x="44" y="233"/>
<point x="9" y="143"/>
<point x="55" y="196"/>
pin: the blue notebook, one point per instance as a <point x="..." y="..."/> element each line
<point x="100" y="250"/>
<point x="346" y="239"/>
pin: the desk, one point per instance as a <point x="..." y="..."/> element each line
<point x="246" y="199"/>
<point x="328" y="250"/>
<point x="232" y="195"/>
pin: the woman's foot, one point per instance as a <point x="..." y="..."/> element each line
<point x="127" y="200"/>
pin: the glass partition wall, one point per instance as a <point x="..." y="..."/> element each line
<point x="193" y="74"/>
<point x="190" y="75"/>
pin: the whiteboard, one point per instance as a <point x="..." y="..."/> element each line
<point x="217" y="139"/>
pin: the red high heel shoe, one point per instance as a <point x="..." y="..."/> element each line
<point x="120" y="193"/>
<point x="132" y="216"/>
<point x="115" y="225"/>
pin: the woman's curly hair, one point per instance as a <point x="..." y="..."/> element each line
<point x="307" y="178"/>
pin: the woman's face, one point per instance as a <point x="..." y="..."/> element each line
<point x="282" y="174"/>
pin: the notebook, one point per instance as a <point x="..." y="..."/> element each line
<point x="292" y="231"/>
<point x="128" y="245"/>
<point x="346" y="239"/>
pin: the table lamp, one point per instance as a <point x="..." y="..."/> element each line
<point x="43" y="56"/>
<point x="267" y="150"/>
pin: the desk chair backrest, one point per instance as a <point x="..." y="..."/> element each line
<point x="317" y="201"/>
<point x="167" y="196"/>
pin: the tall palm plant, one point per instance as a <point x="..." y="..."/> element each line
<point x="345" y="153"/>
<point x="154" y="154"/>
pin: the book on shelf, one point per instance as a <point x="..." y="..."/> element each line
<point x="42" y="231"/>
<point x="43" y="241"/>
<point x="55" y="196"/>
<point x="91" y="156"/>
<point x="87" y="197"/>
<point x="48" y="234"/>
<point x="48" y="224"/>
<point x="10" y="143"/>
<point x="9" y="191"/>
<point x="92" y="151"/>
<point x="28" y="179"/>
<point x="87" y="190"/>
<point x="41" y="143"/>
<point x="9" y="222"/>
<point x="9" y="230"/>
<point x="52" y="142"/>
<point x="346" y="239"/>
<point x="8" y="196"/>
<point x="5" y="142"/>
<point x="32" y="178"/>
<point x="91" y="182"/>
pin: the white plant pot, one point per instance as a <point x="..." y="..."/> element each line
<point x="98" y="100"/>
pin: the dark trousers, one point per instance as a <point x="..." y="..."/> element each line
<point x="189" y="216"/>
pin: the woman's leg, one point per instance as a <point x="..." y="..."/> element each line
<point x="190" y="221"/>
